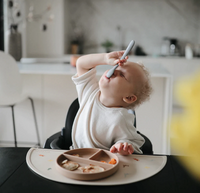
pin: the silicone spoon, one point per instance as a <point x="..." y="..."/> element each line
<point x="128" y="49"/>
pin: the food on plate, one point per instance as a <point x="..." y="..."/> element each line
<point x="91" y="169"/>
<point x="70" y="165"/>
<point x="65" y="161"/>
<point x="112" y="161"/>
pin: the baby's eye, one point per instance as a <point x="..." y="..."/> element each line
<point x="122" y="75"/>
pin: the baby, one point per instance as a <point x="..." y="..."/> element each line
<point x="103" y="120"/>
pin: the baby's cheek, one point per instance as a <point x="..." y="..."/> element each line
<point x="100" y="82"/>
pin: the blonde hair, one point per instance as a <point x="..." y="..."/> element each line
<point x="144" y="91"/>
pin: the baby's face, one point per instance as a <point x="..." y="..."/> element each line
<point x="124" y="82"/>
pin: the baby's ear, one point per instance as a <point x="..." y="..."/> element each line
<point x="130" y="99"/>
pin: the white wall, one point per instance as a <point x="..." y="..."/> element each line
<point x="199" y="28"/>
<point x="47" y="43"/>
<point x="35" y="41"/>
<point x="146" y="21"/>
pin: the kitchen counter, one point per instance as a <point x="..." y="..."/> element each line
<point x="155" y="70"/>
<point x="176" y="66"/>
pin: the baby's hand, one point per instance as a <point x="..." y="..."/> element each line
<point x="113" y="58"/>
<point x="122" y="148"/>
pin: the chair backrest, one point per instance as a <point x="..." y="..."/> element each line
<point x="147" y="147"/>
<point x="71" y="114"/>
<point x="10" y="80"/>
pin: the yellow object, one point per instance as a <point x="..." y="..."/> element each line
<point x="187" y="125"/>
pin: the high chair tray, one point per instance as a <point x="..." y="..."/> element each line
<point x="128" y="169"/>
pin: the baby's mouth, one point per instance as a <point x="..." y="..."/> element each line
<point x="107" y="77"/>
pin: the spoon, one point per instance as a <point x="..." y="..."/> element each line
<point x="128" y="49"/>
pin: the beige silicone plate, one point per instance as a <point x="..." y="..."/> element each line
<point x="132" y="168"/>
<point x="86" y="157"/>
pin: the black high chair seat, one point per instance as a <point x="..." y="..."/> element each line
<point x="63" y="140"/>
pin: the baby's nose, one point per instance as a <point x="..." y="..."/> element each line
<point x="116" y="73"/>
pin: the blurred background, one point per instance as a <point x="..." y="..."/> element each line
<point x="52" y="27"/>
<point x="45" y="35"/>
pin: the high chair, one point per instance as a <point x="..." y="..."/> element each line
<point x="63" y="140"/>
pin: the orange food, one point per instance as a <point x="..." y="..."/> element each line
<point x="103" y="161"/>
<point x="112" y="161"/>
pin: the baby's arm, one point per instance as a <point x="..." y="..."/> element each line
<point x="87" y="62"/>
<point x="122" y="148"/>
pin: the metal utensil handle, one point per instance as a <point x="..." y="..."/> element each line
<point x="128" y="49"/>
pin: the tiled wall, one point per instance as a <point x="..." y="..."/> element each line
<point x="146" y="21"/>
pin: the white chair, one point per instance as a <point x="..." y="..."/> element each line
<point x="11" y="89"/>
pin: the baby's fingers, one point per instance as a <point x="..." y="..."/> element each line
<point x="113" y="149"/>
<point x="120" y="53"/>
<point x="125" y="146"/>
<point x="121" y="62"/>
<point x="130" y="149"/>
<point x="117" y="61"/>
<point x="119" y="147"/>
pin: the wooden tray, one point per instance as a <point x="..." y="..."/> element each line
<point x="86" y="157"/>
